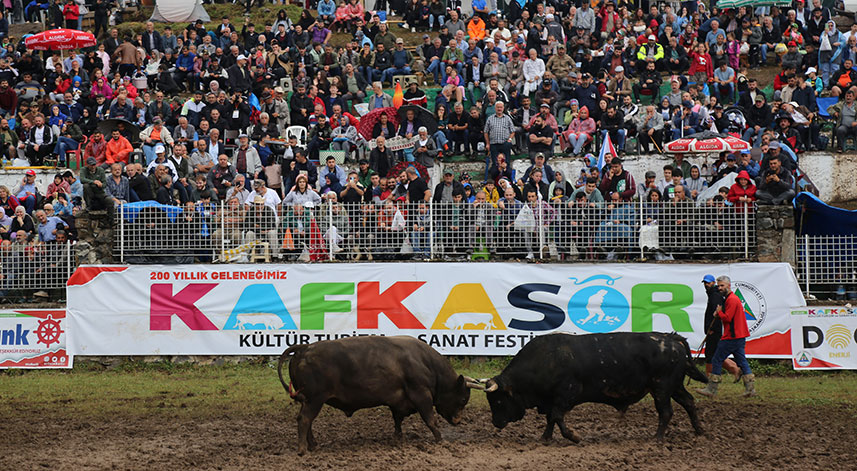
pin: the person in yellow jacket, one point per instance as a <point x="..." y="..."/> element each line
<point x="650" y="52"/>
<point x="476" y="28"/>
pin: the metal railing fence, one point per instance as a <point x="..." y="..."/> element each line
<point x="827" y="265"/>
<point x="27" y="268"/>
<point x="456" y="231"/>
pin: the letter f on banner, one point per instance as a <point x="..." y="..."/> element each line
<point x="164" y="304"/>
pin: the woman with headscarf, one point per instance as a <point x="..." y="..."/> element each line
<point x="832" y="42"/>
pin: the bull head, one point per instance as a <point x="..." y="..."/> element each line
<point x="473" y="383"/>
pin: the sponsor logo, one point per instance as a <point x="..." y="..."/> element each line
<point x="803" y="359"/>
<point x="838" y="336"/>
<point x="754" y="303"/>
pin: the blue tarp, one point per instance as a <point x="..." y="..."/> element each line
<point x="814" y="217"/>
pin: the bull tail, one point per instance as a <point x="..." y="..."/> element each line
<point x="690" y="369"/>
<point x="295" y="349"/>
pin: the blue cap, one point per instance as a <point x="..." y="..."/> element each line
<point x="708" y="279"/>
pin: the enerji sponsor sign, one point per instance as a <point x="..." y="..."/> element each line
<point x="824" y="338"/>
<point x="461" y="309"/>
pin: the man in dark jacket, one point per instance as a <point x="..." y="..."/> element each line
<point x="650" y="79"/>
<point x="759" y="117"/>
<point x="843" y="79"/>
<point x="300" y="107"/>
<point x="240" y="77"/>
<point x="775" y="184"/>
<point x="748" y="97"/>
<point x="444" y="190"/>
<point x="713" y="326"/>
<point x="613" y="122"/>
<point x="618" y="180"/>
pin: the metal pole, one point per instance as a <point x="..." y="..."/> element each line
<point x="330" y="236"/>
<point x="222" y="230"/>
<point x="431" y="229"/>
<point x="746" y="231"/>
<point x="806" y="260"/>
<point x="640" y="231"/>
<point x="121" y="234"/>
<point x="541" y="223"/>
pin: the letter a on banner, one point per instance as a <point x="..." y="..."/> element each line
<point x="260" y="299"/>
<point x="165" y="305"/>
<point x="371" y="303"/>
<point x="467" y="299"/>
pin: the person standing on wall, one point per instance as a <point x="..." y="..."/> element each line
<point x="714" y="328"/>
<point x="733" y="341"/>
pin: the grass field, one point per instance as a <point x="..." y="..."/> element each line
<point x="136" y="388"/>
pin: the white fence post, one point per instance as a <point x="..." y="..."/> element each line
<point x="806" y="260"/>
<point x="121" y="234"/>
<point x="431" y="229"/>
<point x="222" y="231"/>
<point x="330" y="239"/>
<point x="747" y="230"/>
<point x="541" y="223"/>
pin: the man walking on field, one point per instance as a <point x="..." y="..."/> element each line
<point x="735" y="333"/>
<point x="715" y="328"/>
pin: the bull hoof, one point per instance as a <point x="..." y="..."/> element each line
<point x="301" y="451"/>
<point x="546" y="440"/>
<point x="699" y="432"/>
<point x="574" y="437"/>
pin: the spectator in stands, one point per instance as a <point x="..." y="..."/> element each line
<point x="301" y="193"/>
<point x="846" y="119"/>
<point x="40" y="142"/>
<point x="49" y="226"/>
<point x="686" y="121"/>
<point x="94" y="183"/>
<point x="27" y="194"/>
<point x="118" y="188"/>
<point x="618" y="180"/>
<point x="743" y="191"/>
<point x="118" y="149"/>
<point x="22" y="223"/>
<point x="775" y="183"/>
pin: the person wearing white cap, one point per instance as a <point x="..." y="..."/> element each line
<point x="619" y="86"/>
<point x="240" y="77"/>
<point x="650" y="52"/>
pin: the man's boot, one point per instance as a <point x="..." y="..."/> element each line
<point x="711" y="389"/>
<point x="749" y="385"/>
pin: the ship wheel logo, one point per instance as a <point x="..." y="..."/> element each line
<point x="48" y="332"/>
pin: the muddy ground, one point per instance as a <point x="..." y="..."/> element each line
<point x="750" y="435"/>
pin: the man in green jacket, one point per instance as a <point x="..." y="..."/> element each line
<point x="94" y="181"/>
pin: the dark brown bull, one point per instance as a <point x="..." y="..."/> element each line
<point x="355" y="373"/>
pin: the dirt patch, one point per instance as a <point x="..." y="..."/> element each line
<point x="740" y="435"/>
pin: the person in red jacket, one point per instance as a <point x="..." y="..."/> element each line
<point x="701" y="65"/>
<point x="71" y="13"/>
<point x="743" y="191"/>
<point x="733" y="341"/>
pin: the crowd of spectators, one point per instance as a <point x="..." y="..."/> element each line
<point x="539" y="79"/>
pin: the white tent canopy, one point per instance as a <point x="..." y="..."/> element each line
<point x="174" y="11"/>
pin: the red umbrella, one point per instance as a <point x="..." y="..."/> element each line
<point x="368" y="122"/>
<point x="700" y="144"/>
<point x="60" y="40"/>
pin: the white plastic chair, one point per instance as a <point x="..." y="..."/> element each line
<point x="299" y="132"/>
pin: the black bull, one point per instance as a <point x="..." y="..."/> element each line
<point x="355" y="373"/>
<point x="553" y="373"/>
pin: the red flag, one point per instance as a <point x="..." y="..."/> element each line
<point x="398" y="96"/>
<point x="317" y="247"/>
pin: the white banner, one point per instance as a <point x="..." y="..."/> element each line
<point x="458" y="308"/>
<point x="824" y="338"/>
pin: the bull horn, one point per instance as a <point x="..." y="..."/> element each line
<point x="490" y="385"/>
<point x="472" y="383"/>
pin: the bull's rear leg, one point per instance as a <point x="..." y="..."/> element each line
<point x="558" y="417"/>
<point x="398" y="417"/>
<point x="548" y="434"/>
<point x="308" y="413"/>
<point x="686" y="400"/>
<point x="664" y="407"/>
